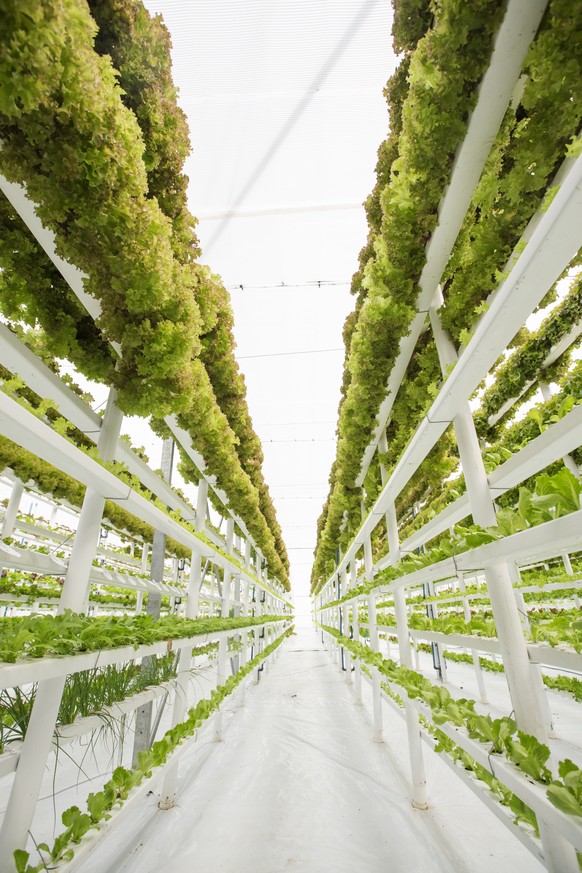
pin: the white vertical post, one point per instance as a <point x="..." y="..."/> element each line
<point x="474" y="652"/>
<point x="357" y="665"/>
<point x="376" y="680"/>
<point x="195" y="576"/>
<point x="237" y="610"/>
<point x="12" y="509"/>
<point x="220" y="680"/>
<point x="347" y="655"/>
<point x="527" y="702"/>
<point x="417" y="770"/>
<point x="341" y="616"/>
<point x="87" y="536"/>
<point x="373" y="631"/>
<point x="355" y="635"/>
<point x="201" y="505"/>
<point x="536" y="668"/>
<point x="31" y="765"/>
<point x="144" y="557"/>
<point x="245" y="637"/>
<point x="168" y="796"/>
<point x="139" y="602"/>
<point x="440" y="658"/>
<point x="194" y="584"/>
<point x="243" y="662"/>
<point x="226" y="579"/>
<point x="257" y="650"/>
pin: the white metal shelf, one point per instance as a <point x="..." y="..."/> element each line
<point x="546" y="540"/>
<point x="555" y="240"/>
<point x="480" y="789"/>
<point x="21" y="360"/>
<point x="559" y="439"/>
<point x="19" y="200"/>
<point x="483" y="595"/>
<point x="24" y="428"/>
<point x="30" y="670"/>
<point x="558" y="657"/>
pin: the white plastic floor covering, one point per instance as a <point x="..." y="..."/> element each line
<point x="298" y="785"/>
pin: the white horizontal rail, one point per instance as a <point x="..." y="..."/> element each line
<point x="532" y="794"/>
<point x="31" y="670"/>
<point x="558" y="440"/>
<point x="127" y="564"/>
<point x="517" y="30"/>
<point x="28" y="561"/>
<point x="65" y="734"/>
<point x="546" y="540"/>
<point x="563" y="658"/>
<point x="483" y="595"/>
<point x="68" y="732"/>
<point x="556" y="657"/>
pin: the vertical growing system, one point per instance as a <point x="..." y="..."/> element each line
<point x="452" y="526"/>
<point x="99" y="268"/>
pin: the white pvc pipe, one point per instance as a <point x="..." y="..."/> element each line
<point x="76" y="585"/>
<point x="170" y="783"/>
<point x="376" y="681"/>
<point x="475" y="654"/>
<point x="12" y="509"/>
<point x="525" y="695"/>
<point x="194" y="584"/>
<point x="357" y="666"/>
<point x="201" y="505"/>
<point x="28" y="779"/>
<point x="417" y="769"/>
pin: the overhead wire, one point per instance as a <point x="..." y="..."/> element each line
<point x="286" y="354"/>
<point x="315" y="283"/>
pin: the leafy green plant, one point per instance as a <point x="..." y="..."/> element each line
<point x="567" y="793"/>
<point x="123" y="781"/>
<point x="554" y="496"/>
<point x="38" y="635"/>
<point x="519" y="171"/>
<point x="526" y="364"/>
<point x="502" y="734"/>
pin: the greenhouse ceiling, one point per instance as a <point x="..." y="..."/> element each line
<point x="285" y="109"/>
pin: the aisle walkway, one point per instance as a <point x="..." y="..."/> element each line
<point x="296" y="785"/>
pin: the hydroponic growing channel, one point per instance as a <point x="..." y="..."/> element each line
<point x="140" y="604"/>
